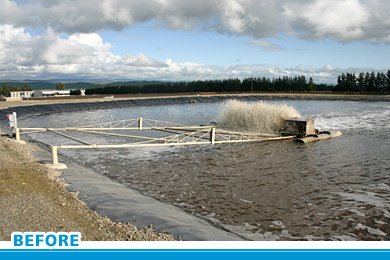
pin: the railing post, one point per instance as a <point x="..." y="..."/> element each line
<point x="212" y="135"/>
<point x="13" y="122"/>
<point x="17" y="134"/>
<point x="54" y="154"/>
<point x="140" y="123"/>
<point x="15" y="119"/>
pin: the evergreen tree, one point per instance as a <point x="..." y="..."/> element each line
<point x="372" y="82"/>
<point x="60" y="86"/>
<point x="361" y="82"/>
<point x="380" y="82"/>
<point x="311" y="86"/>
<point x="388" y="81"/>
<point x="76" y="92"/>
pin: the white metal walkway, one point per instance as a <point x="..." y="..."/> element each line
<point x="141" y="132"/>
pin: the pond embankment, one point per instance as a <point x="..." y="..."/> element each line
<point x="37" y="107"/>
<point x="33" y="198"/>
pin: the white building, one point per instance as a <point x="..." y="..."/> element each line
<point x="51" y="93"/>
<point x="21" y="94"/>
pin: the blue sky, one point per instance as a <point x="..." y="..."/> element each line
<point x="225" y="49"/>
<point x="187" y="40"/>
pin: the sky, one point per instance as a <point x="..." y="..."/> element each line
<point x="175" y="40"/>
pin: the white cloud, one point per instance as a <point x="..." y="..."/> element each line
<point x="265" y="45"/>
<point x="344" y="20"/>
<point x="84" y="53"/>
<point x="234" y="16"/>
<point x="50" y="56"/>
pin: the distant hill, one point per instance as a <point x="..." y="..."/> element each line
<point x="131" y="83"/>
<point x="31" y="84"/>
<point x="42" y="84"/>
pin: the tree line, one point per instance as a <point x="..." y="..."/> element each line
<point x="5" y="90"/>
<point x="361" y="83"/>
<point x="367" y="82"/>
<point x="296" y="84"/>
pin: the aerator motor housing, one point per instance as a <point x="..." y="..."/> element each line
<point x="301" y="127"/>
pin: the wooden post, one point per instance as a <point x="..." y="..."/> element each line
<point x="212" y="135"/>
<point x="140" y="123"/>
<point x="54" y="154"/>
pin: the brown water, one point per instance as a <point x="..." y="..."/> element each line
<point x="336" y="189"/>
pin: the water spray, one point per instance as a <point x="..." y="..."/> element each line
<point x="263" y="117"/>
<point x="255" y="116"/>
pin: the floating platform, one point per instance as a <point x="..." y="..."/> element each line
<point x="320" y="136"/>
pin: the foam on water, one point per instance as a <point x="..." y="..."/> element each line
<point x="362" y="122"/>
<point x="255" y="117"/>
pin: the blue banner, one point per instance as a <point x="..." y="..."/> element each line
<point x="196" y="254"/>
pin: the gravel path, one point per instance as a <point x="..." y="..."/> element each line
<point x="32" y="198"/>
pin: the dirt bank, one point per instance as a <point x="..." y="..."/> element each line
<point x="33" y="199"/>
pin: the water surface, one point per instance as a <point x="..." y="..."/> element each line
<point x="336" y="189"/>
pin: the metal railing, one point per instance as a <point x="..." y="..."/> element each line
<point x="177" y="135"/>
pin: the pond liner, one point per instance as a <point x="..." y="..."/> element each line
<point x="24" y="111"/>
<point x="123" y="204"/>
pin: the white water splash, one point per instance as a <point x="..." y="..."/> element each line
<point x="255" y="117"/>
